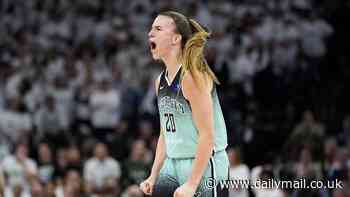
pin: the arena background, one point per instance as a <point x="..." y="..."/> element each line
<point x="77" y="72"/>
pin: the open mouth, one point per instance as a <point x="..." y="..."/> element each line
<point x="152" y="45"/>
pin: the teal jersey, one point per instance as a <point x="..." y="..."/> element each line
<point x="179" y="129"/>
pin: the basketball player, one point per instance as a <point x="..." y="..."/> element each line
<point x="192" y="141"/>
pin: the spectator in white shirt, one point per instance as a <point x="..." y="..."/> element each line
<point x="47" y="120"/>
<point x="63" y="96"/>
<point x="13" y="83"/>
<point x="101" y="172"/>
<point x="14" y="122"/>
<point x="286" y="50"/>
<point x="249" y="61"/>
<point x="313" y="34"/>
<point x="105" y="105"/>
<point x="19" y="168"/>
<point x="238" y="171"/>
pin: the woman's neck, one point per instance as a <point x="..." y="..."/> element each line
<point x="172" y="63"/>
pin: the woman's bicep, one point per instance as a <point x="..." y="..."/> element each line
<point x="201" y="104"/>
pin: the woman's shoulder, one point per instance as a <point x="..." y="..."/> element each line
<point x="197" y="81"/>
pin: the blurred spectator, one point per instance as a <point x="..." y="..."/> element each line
<point x="4" y="146"/>
<point x="82" y="125"/>
<point x="50" y="189"/>
<point x="61" y="164"/>
<point x="309" y="133"/>
<point x="145" y="131"/>
<point x="265" y="173"/>
<point x="306" y="167"/>
<point x="17" y="191"/>
<point x="238" y="171"/>
<point x="15" y="123"/>
<point x="137" y="166"/>
<point x="331" y="148"/>
<point x="72" y="185"/>
<point x="313" y="33"/>
<point x="133" y="191"/>
<point x="48" y="123"/>
<point x="45" y="163"/>
<point x="19" y="169"/>
<point x="338" y="169"/>
<point x="285" y="46"/>
<point x="63" y="100"/>
<point x="67" y="158"/>
<point x="2" y="183"/>
<point x="120" y="140"/>
<point x="243" y="69"/>
<point x="147" y="104"/>
<point x="37" y="189"/>
<point x="100" y="170"/>
<point x="344" y="135"/>
<point x="74" y="160"/>
<point x="105" y="105"/>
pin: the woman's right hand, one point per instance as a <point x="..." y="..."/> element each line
<point x="147" y="185"/>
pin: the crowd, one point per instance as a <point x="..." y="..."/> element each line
<point x="78" y="114"/>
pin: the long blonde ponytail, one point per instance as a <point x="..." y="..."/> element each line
<point x="194" y="38"/>
<point x="193" y="59"/>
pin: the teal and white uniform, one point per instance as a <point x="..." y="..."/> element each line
<point x="181" y="135"/>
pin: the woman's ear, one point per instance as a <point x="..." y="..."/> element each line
<point x="176" y="39"/>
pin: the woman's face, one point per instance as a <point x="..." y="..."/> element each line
<point x="163" y="37"/>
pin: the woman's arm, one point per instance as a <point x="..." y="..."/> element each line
<point x="147" y="185"/>
<point x="160" y="156"/>
<point x="199" y="96"/>
<point x="160" y="150"/>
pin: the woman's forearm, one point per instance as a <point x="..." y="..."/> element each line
<point x="203" y="154"/>
<point x="160" y="156"/>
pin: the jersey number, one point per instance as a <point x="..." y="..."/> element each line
<point x="170" y="122"/>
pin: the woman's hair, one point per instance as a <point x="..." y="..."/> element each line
<point x="194" y="38"/>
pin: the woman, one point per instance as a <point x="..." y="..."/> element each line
<point x="192" y="142"/>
